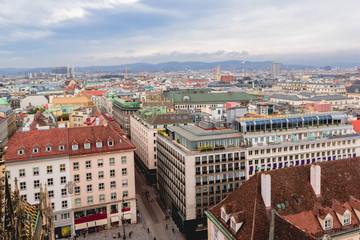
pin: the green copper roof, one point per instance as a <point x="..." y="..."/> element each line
<point x="3" y="101"/>
<point x="206" y="97"/>
<point x="127" y="105"/>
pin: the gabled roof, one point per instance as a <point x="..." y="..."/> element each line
<point x="94" y="134"/>
<point x="339" y="183"/>
<point x="64" y="136"/>
<point x="29" y="139"/>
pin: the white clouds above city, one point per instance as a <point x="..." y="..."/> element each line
<point x="108" y="32"/>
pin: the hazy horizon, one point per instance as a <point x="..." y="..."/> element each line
<point x="43" y="33"/>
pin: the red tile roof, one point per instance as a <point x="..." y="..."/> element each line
<point x="96" y="93"/>
<point x="67" y="136"/>
<point x="339" y="185"/>
<point x="227" y="78"/>
<point x="27" y="141"/>
<point x="95" y="134"/>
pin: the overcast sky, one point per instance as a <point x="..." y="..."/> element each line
<point x="45" y="33"/>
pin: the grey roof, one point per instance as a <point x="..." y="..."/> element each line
<point x="328" y="98"/>
<point x="195" y="133"/>
<point x="286" y="97"/>
<point x="5" y="109"/>
<point x="355" y="88"/>
<point x="306" y="94"/>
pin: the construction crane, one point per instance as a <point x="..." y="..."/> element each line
<point x="126" y="68"/>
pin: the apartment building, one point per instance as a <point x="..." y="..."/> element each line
<point x="199" y="100"/>
<point x="122" y="111"/>
<point x="317" y="201"/>
<point x="332" y="88"/>
<point x="144" y="125"/>
<point x="198" y="166"/>
<point x="88" y="171"/>
<point x="39" y="158"/>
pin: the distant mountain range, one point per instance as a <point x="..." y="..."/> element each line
<point x="168" y="66"/>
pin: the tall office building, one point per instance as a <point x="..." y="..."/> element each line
<point x="275" y="70"/>
<point x="198" y="166"/>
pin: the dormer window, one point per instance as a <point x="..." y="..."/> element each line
<point x="233" y="225"/>
<point x="48" y="149"/>
<point x="223" y="215"/>
<point x="61" y="147"/>
<point x="328" y="224"/>
<point x="111" y="143"/>
<point x="35" y="150"/>
<point x="347" y="220"/>
<point x="87" y="145"/>
<point x="75" y="147"/>
<point x="21" y="152"/>
<point x="98" y="144"/>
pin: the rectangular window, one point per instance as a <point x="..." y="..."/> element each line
<point x="22" y="185"/>
<point x="89" y="188"/>
<point x="63" y="192"/>
<point x="77" y="202"/>
<point x="63" y="180"/>
<point x="328" y="224"/>
<point x="123" y="159"/>
<point x="76" y="178"/>
<point x="49" y="169"/>
<point x="77" y="190"/>
<point x="37" y="196"/>
<point x="111" y="161"/>
<point x="51" y="194"/>
<point x="88" y="176"/>
<point x="125" y="193"/>
<point x="76" y="166"/>
<point x="113" y="196"/>
<point x="36" y="183"/>
<point x="101" y="174"/>
<point x="100" y="163"/>
<point x="125" y="183"/>
<point x="90" y="200"/>
<point x="22" y="172"/>
<point x="112" y="184"/>
<point x="88" y="164"/>
<point x="124" y="171"/>
<point x="346" y="219"/>
<point x="36" y="171"/>
<point x="62" y="168"/>
<point x="101" y="186"/>
<point x="50" y="181"/>
<point x="64" y="204"/>
<point x="101" y="198"/>
<point x="112" y="173"/>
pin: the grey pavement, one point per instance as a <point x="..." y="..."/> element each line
<point x="152" y="218"/>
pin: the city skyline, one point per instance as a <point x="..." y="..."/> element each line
<point x="50" y="33"/>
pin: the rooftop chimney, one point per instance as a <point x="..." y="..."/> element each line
<point x="266" y="189"/>
<point x="315" y="179"/>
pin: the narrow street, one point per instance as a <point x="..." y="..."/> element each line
<point x="151" y="212"/>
